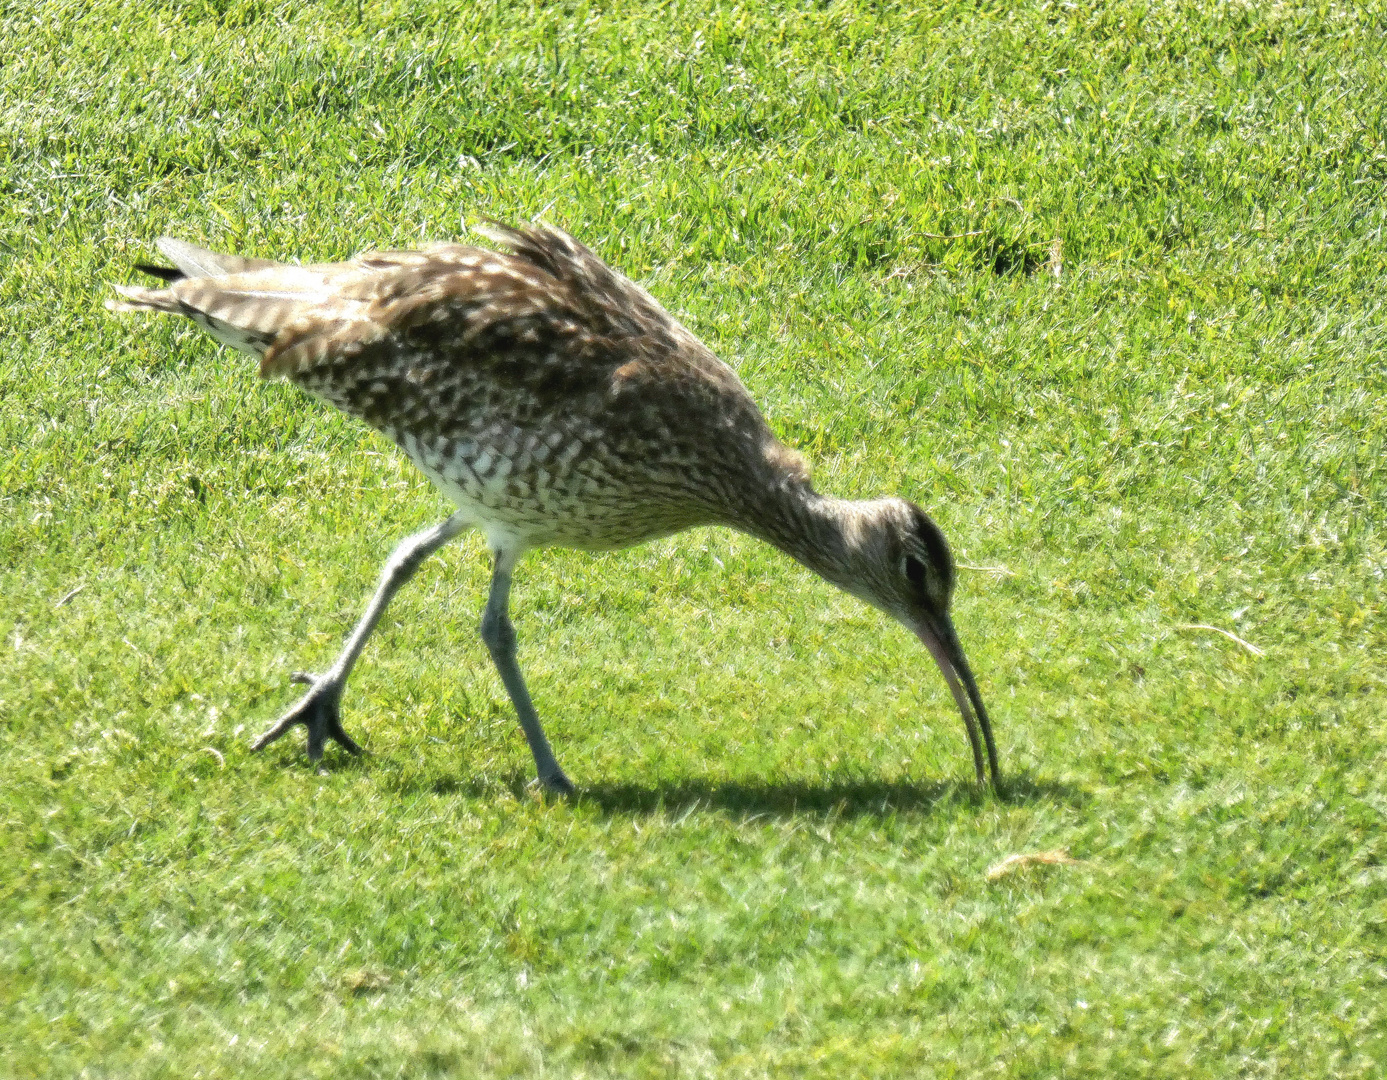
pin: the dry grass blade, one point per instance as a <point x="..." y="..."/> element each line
<point x="950" y="236"/>
<point x="1253" y="649"/>
<point x="1001" y="571"/>
<point x="67" y="597"/>
<point x="1022" y="860"/>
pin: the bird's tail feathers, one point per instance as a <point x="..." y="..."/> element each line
<point x="191" y="262"/>
<point x="200" y="262"/>
<point x="163" y="273"/>
<point x="138" y="298"/>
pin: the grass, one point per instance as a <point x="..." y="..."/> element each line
<point x="1145" y="378"/>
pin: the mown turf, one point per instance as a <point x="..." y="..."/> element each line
<point x="1143" y="378"/>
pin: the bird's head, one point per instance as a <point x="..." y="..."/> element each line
<point x="900" y="562"/>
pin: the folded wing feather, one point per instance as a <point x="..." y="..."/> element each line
<point x="294" y="316"/>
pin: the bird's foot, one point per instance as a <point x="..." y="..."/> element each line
<point x="556" y="783"/>
<point x="319" y="711"/>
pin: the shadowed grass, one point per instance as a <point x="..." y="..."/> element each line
<point x="823" y="797"/>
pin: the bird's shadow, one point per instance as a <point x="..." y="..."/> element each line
<point x="845" y="797"/>
<point x="850" y="796"/>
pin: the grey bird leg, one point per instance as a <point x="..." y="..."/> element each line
<point x="319" y="710"/>
<point x="499" y="635"/>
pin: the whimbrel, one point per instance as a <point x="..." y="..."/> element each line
<point x="553" y="401"/>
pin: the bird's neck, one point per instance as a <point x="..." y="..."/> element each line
<point x="823" y="533"/>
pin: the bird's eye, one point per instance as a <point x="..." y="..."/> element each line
<point x="915" y="572"/>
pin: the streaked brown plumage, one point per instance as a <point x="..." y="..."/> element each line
<point x="554" y="402"/>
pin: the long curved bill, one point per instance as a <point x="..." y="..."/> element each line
<point x="941" y="640"/>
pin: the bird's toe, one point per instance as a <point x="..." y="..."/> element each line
<point x="319" y="711"/>
<point x="557" y="783"/>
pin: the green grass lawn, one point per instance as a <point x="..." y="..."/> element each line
<point x="1101" y="285"/>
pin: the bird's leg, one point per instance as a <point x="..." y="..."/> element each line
<point x="319" y="710"/>
<point x="499" y="635"/>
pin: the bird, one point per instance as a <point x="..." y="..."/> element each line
<point x="554" y="402"/>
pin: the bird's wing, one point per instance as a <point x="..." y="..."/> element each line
<point x="547" y="319"/>
<point x="644" y="340"/>
<point x="549" y="287"/>
<point x="610" y="302"/>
